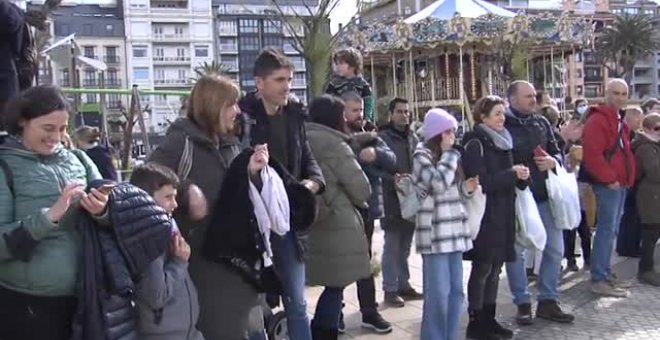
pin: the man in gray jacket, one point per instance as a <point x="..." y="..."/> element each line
<point x="398" y="231"/>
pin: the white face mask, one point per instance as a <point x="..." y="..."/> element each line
<point x="582" y="109"/>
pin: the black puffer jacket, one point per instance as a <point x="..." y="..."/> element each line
<point x="233" y="237"/>
<point x="528" y="132"/>
<point x="114" y="255"/>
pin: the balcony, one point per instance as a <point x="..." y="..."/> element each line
<point x="64" y="82"/>
<point x="171" y="37"/>
<point x="163" y="60"/>
<point x="232" y="66"/>
<point x="111" y="59"/>
<point x="227" y="31"/>
<point x="91" y="56"/>
<point x="114" y="105"/>
<point x="228" y="48"/>
<point x="90" y="82"/>
<point x="172" y="82"/>
<point x="289" y="49"/>
<point x="593" y="78"/>
<point x="113" y="82"/>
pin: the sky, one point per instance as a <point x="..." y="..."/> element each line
<point x="343" y="13"/>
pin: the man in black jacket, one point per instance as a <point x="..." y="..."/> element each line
<point x="398" y="135"/>
<point x="271" y="116"/>
<point x="378" y="162"/>
<point x="11" y="40"/>
<point x="535" y="147"/>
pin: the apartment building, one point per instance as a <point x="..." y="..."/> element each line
<point x="166" y="40"/>
<point x="99" y="32"/>
<point x="244" y="28"/>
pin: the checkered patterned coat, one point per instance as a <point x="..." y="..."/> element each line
<point x="441" y="221"/>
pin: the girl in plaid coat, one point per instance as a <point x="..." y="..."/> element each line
<point x="441" y="232"/>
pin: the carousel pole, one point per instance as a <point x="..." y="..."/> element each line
<point x="545" y="73"/>
<point x="552" y="71"/>
<point x="432" y="74"/>
<point x="373" y="79"/>
<point x="411" y="95"/>
<point x="394" y="73"/>
<point x="472" y="73"/>
<point x="447" y="74"/>
<point x="490" y="76"/>
<point x="461" y="90"/>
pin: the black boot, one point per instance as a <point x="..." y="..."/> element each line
<point x="477" y="329"/>
<point x="319" y="333"/>
<point x="493" y="325"/>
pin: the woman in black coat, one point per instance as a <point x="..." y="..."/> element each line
<point x="488" y="155"/>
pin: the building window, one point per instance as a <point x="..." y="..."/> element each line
<point x="90" y="98"/>
<point x="247" y="82"/>
<point x="579" y="90"/>
<point x="140" y="73"/>
<point x="271" y="41"/>
<point x="139" y="51"/>
<point x="227" y="44"/>
<point x="227" y="27"/>
<point x="183" y="74"/>
<point x="201" y="51"/>
<point x="649" y="12"/>
<point x="578" y="73"/>
<point x="249" y="43"/>
<point x="631" y="10"/>
<point x="178" y="31"/>
<point x="64" y="77"/>
<point x="88" y="51"/>
<point x="578" y="57"/>
<point x="159" y="74"/>
<point x="272" y="26"/>
<point x="249" y="25"/>
<point x="114" y="101"/>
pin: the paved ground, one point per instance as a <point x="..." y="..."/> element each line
<point x="636" y="317"/>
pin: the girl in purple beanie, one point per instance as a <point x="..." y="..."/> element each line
<point x="441" y="231"/>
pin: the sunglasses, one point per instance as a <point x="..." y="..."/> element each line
<point x="656" y="129"/>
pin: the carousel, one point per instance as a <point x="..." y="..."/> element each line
<point x="452" y="52"/>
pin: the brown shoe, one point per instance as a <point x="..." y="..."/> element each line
<point x="410" y="294"/>
<point x="394" y="300"/>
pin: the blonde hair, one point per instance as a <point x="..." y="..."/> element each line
<point x="209" y="97"/>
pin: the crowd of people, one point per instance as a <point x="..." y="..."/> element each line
<point x="249" y="199"/>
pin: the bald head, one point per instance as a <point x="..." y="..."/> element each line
<point x="522" y="96"/>
<point x="616" y="93"/>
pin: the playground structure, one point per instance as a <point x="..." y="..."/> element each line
<point x="455" y="51"/>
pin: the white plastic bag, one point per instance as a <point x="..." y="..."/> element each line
<point x="531" y="232"/>
<point x="475" y="207"/>
<point x="564" y="197"/>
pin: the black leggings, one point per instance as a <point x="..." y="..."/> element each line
<point x="29" y="317"/>
<point x="585" y="240"/>
<point x="650" y="235"/>
<point x="483" y="283"/>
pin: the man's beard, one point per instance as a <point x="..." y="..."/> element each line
<point x="355" y="126"/>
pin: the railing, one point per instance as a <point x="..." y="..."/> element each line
<point x="227" y="31"/>
<point x="170" y="37"/>
<point x="64" y="82"/>
<point x="112" y="82"/>
<point x="231" y="65"/>
<point x="299" y="82"/>
<point x="171" y="59"/>
<point x="593" y="78"/>
<point x="228" y="47"/>
<point x="171" y="81"/>
<point x="114" y="104"/>
<point x="111" y="59"/>
<point x="90" y="82"/>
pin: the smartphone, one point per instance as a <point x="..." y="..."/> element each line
<point x="106" y="188"/>
<point x="539" y="152"/>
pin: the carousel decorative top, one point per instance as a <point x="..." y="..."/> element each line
<point x="485" y="30"/>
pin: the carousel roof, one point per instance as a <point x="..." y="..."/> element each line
<point x="447" y="9"/>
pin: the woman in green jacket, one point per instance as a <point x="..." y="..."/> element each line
<point x="338" y="253"/>
<point x="42" y="190"/>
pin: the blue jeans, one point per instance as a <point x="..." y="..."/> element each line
<point x="328" y="308"/>
<point x="549" y="272"/>
<point x="443" y="295"/>
<point x="291" y="271"/>
<point x="609" y="209"/>
<point x="395" y="259"/>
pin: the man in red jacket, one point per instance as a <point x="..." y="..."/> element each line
<point x="609" y="165"/>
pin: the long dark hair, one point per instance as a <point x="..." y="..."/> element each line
<point x="329" y="111"/>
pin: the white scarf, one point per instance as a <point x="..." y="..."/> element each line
<point x="271" y="208"/>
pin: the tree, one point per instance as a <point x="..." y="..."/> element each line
<point x="314" y="42"/>
<point x="205" y="69"/>
<point x="629" y="39"/>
